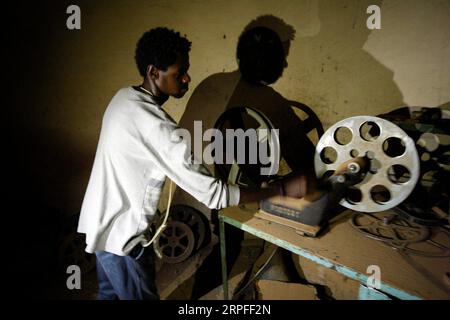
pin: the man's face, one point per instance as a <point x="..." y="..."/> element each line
<point x="175" y="80"/>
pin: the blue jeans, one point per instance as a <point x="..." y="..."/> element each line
<point x="129" y="277"/>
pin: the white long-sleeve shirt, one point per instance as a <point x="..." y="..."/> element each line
<point x="135" y="153"/>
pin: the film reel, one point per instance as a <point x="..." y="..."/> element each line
<point x="176" y="243"/>
<point x="194" y="219"/>
<point x="247" y="175"/>
<point x="389" y="228"/>
<point x="403" y="235"/>
<point x="394" y="163"/>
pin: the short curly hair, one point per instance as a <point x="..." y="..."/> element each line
<point x="161" y="48"/>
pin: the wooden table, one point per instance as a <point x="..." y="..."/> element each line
<point x="345" y="250"/>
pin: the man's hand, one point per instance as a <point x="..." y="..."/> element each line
<point x="292" y="185"/>
<point x="296" y="186"/>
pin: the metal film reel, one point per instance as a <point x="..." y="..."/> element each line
<point x="400" y="234"/>
<point x="394" y="161"/>
<point x="176" y="243"/>
<point x="194" y="219"/>
<point x="389" y="228"/>
<point x="438" y="245"/>
<point x="265" y="134"/>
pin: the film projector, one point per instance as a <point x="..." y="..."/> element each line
<point x="371" y="166"/>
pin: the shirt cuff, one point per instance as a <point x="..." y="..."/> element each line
<point x="234" y="195"/>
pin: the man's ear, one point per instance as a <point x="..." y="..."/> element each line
<point x="152" y="72"/>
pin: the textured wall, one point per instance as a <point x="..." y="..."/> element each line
<point x="335" y="65"/>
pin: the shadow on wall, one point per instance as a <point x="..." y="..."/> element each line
<point x="262" y="51"/>
<point x="351" y="81"/>
<point x="49" y="170"/>
<point x="349" y="74"/>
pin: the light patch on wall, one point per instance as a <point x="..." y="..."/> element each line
<point x="308" y="23"/>
<point x="415" y="44"/>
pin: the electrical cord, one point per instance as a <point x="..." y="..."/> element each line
<point x="163" y="226"/>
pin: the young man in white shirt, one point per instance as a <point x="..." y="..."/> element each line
<point x="135" y="153"/>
